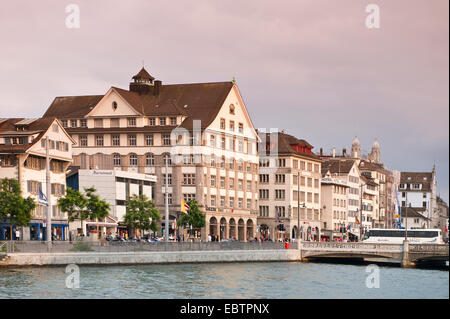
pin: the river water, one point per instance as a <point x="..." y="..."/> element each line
<point x="275" y="280"/>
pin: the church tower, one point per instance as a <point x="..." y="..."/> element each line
<point x="356" y="148"/>
<point x="375" y="154"/>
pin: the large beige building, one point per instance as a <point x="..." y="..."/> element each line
<point x="23" y="144"/>
<point x="284" y="162"/>
<point x="202" y="130"/>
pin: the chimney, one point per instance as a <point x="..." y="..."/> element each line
<point x="344" y="152"/>
<point x="157" y="87"/>
<point x="334" y="152"/>
<point x="321" y="151"/>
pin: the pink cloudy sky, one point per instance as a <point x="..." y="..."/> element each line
<point x="308" y="66"/>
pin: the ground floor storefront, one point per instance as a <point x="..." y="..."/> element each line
<point x="289" y="229"/>
<point x="36" y="230"/>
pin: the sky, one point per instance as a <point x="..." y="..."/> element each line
<point x="310" y="67"/>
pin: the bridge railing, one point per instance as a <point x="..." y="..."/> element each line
<point x="351" y="246"/>
<point x="429" y="248"/>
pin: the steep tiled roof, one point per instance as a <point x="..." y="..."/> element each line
<point x="337" y="166"/>
<point x="198" y="101"/>
<point x="285" y="145"/>
<point x="423" y="178"/>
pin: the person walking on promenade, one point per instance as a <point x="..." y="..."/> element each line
<point x="17" y="234"/>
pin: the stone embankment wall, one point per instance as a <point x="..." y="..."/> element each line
<point x="115" y="258"/>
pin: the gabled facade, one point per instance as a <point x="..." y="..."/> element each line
<point x="202" y="130"/>
<point x="289" y="178"/>
<point x="23" y="157"/>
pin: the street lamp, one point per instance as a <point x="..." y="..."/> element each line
<point x="298" y="206"/>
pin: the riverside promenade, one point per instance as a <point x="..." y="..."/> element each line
<point x="111" y="253"/>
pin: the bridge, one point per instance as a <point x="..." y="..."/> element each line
<point x="406" y="254"/>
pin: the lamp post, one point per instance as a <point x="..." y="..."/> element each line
<point x="360" y="210"/>
<point x="298" y="206"/>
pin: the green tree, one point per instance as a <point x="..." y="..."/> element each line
<point x="194" y="218"/>
<point x="141" y="213"/>
<point x="74" y="204"/>
<point x="97" y="208"/>
<point x="84" y="206"/>
<point x="13" y="207"/>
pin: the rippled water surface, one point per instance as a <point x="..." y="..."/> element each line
<point x="232" y="280"/>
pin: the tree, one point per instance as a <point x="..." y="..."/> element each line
<point x="97" y="208"/>
<point x="13" y="207"/>
<point x="141" y="213"/>
<point x="194" y="218"/>
<point x="74" y="204"/>
<point x="82" y="207"/>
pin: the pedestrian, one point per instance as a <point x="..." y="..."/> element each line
<point x="17" y="234"/>
<point x="209" y="237"/>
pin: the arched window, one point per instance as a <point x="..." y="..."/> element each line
<point x="133" y="160"/>
<point x="116" y="159"/>
<point x="149" y="160"/>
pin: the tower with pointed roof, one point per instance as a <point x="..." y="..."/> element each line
<point x="142" y="82"/>
<point x="375" y="154"/>
<point x="356" y="148"/>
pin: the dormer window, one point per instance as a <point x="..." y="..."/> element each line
<point x="162" y="121"/>
<point x="131" y="122"/>
<point x="152" y="121"/>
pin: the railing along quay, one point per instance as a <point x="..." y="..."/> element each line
<point x="117" y="246"/>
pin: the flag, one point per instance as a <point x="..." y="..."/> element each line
<point x="42" y="198"/>
<point x="357" y="220"/>
<point x="184" y="206"/>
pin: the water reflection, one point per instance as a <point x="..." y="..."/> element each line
<point x="230" y="280"/>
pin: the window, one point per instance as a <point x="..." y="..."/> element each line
<point x="98" y="123"/>
<point x="169" y="177"/>
<point x="168" y="159"/>
<point x="188" y="179"/>
<point x="222" y="201"/>
<point x="213" y="200"/>
<point x="115" y="122"/>
<point x="264" y="211"/>
<point x="213" y="160"/>
<point x="316" y="168"/>
<point x="213" y="180"/>
<point x="64" y="123"/>
<point x="263" y="194"/>
<point x="240" y="146"/>
<point x="173" y="121"/>
<point x="231" y="201"/>
<point x="280" y="194"/>
<point x="232" y="126"/>
<point x="222" y="144"/>
<point x="133" y="160"/>
<point x="169" y="198"/>
<point x="83" y="123"/>
<point x="222" y="124"/>
<point x="149" y="140"/>
<point x="280" y="211"/>
<point x="264" y="162"/>
<point x="281" y="162"/>
<point x="152" y="121"/>
<point x="212" y="140"/>
<point x="240" y="202"/>
<point x="116" y="140"/>
<point x="264" y="178"/>
<point x="280" y="178"/>
<point x="222" y="182"/>
<point x="131" y="122"/>
<point x="249" y="203"/>
<point x="149" y="160"/>
<point x="309" y="167"/>
<point x="116" y="160"/>
<point x="249" y="185"/>
<point x="240" y="184"/>
<point x="132" y="140"/>
<point x="166" y="139"/>
<point x="83" y="140"/>
<point x="187" y="197"/>
<point x="99" y="140"/>
<point x="231" y="183"/>
<point x="162" y="121"/>
<point x="241" y="128"/>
